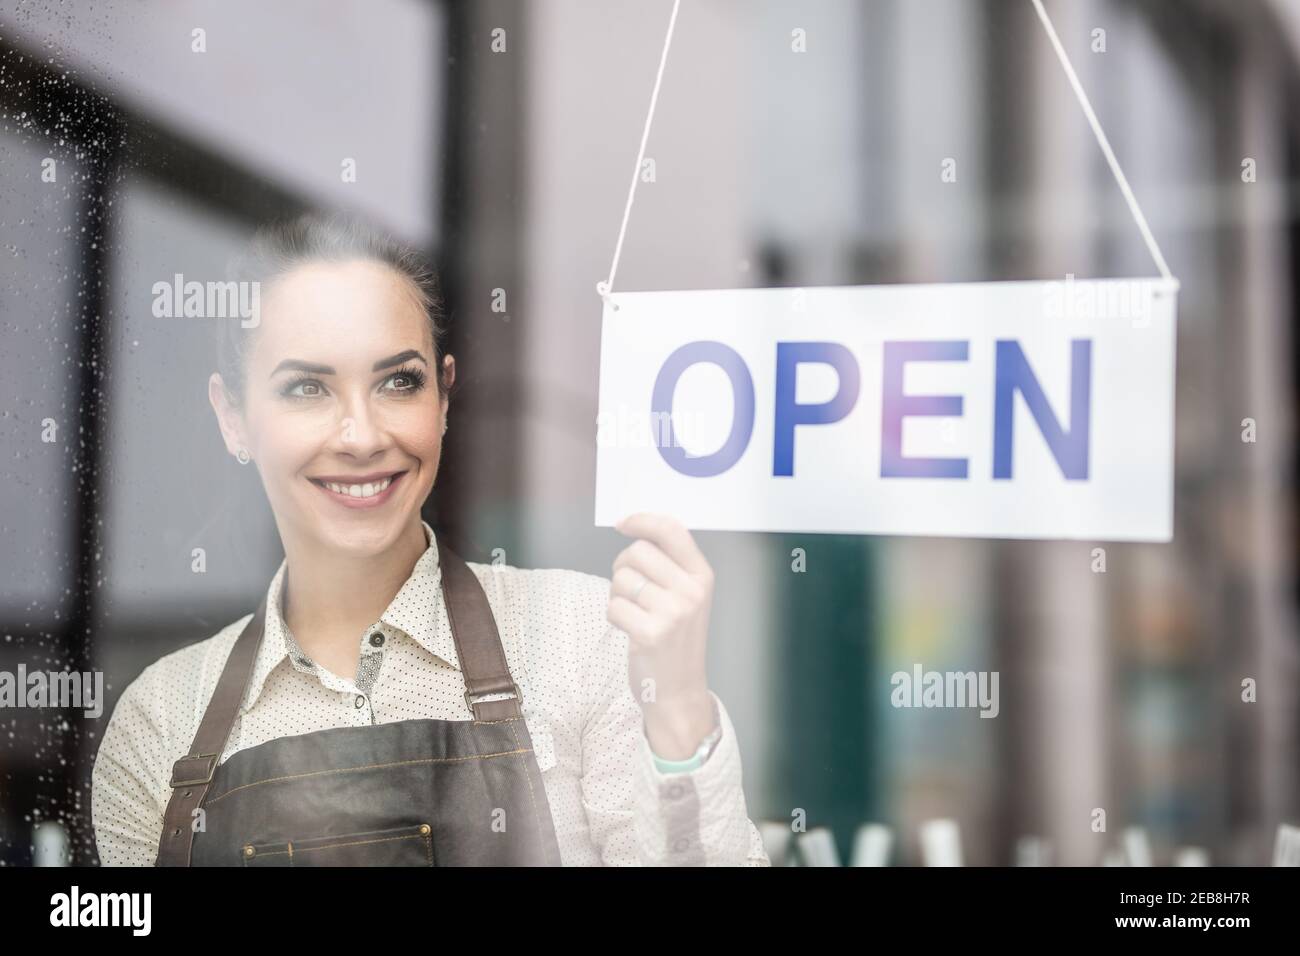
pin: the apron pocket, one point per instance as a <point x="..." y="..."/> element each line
<point x="400" y="846"/>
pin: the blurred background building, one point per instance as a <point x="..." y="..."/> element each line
<point x="499" y="136"/>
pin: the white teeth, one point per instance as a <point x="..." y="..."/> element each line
<point x="368" y="490"/>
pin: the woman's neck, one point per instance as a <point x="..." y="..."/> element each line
<point x="329" y="599"/>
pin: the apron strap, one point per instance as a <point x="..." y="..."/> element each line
<point x="192" y="774"/>
<point x="482" y="662"/>
<point x="478" y="645"/>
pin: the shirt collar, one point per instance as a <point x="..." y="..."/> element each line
<point x="416" y="611"/>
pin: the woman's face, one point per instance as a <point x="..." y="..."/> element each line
<point x="341" y="412"/>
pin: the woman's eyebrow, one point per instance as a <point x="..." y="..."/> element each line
<point x="398" y="359"/>
<point x="300" y="366"/>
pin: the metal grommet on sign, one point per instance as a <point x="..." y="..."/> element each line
<point x="602" y="289"/>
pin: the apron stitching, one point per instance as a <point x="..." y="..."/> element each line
<point x="334" y="846"/>
<point x="529" y="778"/>
<point x="374" y="766"/>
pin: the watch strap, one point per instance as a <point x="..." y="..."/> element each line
<point x="702" y="752"/>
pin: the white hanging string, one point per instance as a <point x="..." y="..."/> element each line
<point x="606" y="287"/>
<point x="1104" y="143"/>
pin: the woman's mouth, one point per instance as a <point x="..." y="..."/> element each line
<point x="368" y="491"/>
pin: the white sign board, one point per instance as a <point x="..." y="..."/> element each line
<point x="992" y="409"/>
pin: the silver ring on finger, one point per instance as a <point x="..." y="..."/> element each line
<point x="636" y="593"/>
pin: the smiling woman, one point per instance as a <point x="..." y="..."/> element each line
<point x="389" y="703"/>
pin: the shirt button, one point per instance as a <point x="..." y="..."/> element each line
<point x="682" y="845"/>
<point x="675" y="791"/>
<point x="360" y="701"/>
<point x="376" y="639"/>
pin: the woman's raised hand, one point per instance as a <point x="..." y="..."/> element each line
<point x="661" y="594"/>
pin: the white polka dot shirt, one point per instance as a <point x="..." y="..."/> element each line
<point x="610" y="803"/>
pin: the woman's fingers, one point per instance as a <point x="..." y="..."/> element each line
<point x="627" y="583"/>
<point x="648" y="559"/>
<point x="659" y="599"/>
<point x="660" y="596"/>
<point x="670" y="536"/>
<point x="628" y="617"/>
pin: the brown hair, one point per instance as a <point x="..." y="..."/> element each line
<point x="281" y="246"/>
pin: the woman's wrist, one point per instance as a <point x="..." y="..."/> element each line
<point x="695" y="761"/>
<point x="675" y="730"/>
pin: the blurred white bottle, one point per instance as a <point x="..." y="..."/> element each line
<point x="1137" y="846"/>
<point x="1033" y="851"/>
<point x="1192" y="856"/>
<point x="49" y="844"/>
<point x="940" y="843"/>
<point x="817" y="848"/>
<point x="1286" y="851"/>
<point x="871" y="845"/>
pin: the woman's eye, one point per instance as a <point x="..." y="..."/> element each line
<point x="405" y="382"/>
<point x="304" y="389"/>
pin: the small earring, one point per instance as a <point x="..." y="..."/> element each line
<point x="243" y="456"/>
<point x="444" y="426"/>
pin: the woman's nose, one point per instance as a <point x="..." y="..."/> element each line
<point x="360" y="427"/>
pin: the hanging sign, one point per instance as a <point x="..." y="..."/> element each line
<point x="992" y="409"/>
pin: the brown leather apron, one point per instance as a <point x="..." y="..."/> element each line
<point x="404" y="793"/>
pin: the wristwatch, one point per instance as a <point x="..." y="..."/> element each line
<point x="696" y="760"/>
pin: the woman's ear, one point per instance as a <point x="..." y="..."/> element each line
<point x="229" y="420"/>
<point x="449" y="371"/>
